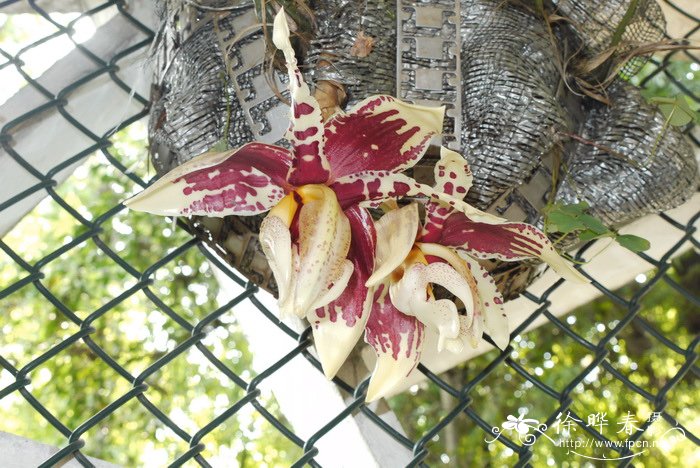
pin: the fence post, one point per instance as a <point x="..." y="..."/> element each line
<point x="18" y="452"/>
<point x="30" y="137"/>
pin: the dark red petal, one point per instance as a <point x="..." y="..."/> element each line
<point x="376" y="186"/>
<point x="393" y="333"/>
<point x="379" y="134"/>
<point x="508" y="241"/>
<point x="505" y="241"/>
<point x="273" y="161"/>
<point x="245" y="181"/>
<point x="435" y="215"/>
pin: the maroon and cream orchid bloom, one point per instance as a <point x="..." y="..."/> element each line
<point x="318" y="240"/>
<point x="443" y="251"/>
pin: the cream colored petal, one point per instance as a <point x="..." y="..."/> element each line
<point x="460" y="266"/>
<point x="337" y="330"/>
<point x="495" y="321"/>
<point x="397" y="340"/>
<point x="276" y="243"/>
<point x="396" y="233"/>
<point x="339" y="284"/>
<point x="410" y="296"/>
<point x="386" y="375"/>
<point x="324" y="241"/>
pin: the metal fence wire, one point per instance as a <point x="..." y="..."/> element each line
<point x="91" y="232"/>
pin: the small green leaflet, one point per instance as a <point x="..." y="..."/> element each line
<point x="565" y="218"/>
<point x="220" y="146"/>
<point x="562" y="222"/>
<point x="594" y="224"/>
<point x="676" y="109"/>
<point x="573" y="218"/>
<point x="632" y="242"/>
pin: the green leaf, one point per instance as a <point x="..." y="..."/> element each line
<point x="632" y="242"/>
<point x="562" y="222"/>
<point x="677" y="111"/>
<point x="594" y="224"/>
<point x="585" y="236"/>
<point x="575" y="208"/>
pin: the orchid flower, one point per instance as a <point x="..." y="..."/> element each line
<point x="410" y="258"/>
<point x="318" y="240"/>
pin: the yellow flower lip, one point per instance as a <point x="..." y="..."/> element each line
<point x="288" y="206"/>
<point x="285" y="209"/>
<point x="310" y="264"/>
<point x="312" y="192"/>
<point x="414" y="256"/>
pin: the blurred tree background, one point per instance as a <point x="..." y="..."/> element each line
<point x="76" y="384"/>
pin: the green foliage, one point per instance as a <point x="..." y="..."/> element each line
<point x="677" y="110"/>
<point x="573" y="219"/>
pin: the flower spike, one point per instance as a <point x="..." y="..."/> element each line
<point x="306" y="123"/>
<point x="318" y="237"/>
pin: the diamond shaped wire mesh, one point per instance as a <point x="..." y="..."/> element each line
<point x="47" y="270"/>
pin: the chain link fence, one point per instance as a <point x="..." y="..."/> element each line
<point x="43" y="267"/>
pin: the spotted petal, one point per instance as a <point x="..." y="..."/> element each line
<point x="306" y="127"/>
<point x="372" y="188"/>
<point x="338" y="326"/>
<point x="489" y="302"/>
<point x="324" y="241"/>
<point x="246" y="181"/>
<point x="471" y="323"/>
<point x="453" y="178"/>
<point x="452" y="174"/>
<point x="398" y="341"/>
<point x="380" y="133"/>
<point x="507" y="242"/>
<point x="437" y="252"/>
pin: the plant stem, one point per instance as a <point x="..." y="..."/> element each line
<point x="658" y="139"/>
<point x="622" y="27"/>
<point x="539" y="4"/>
<point x="604" y="148"/>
